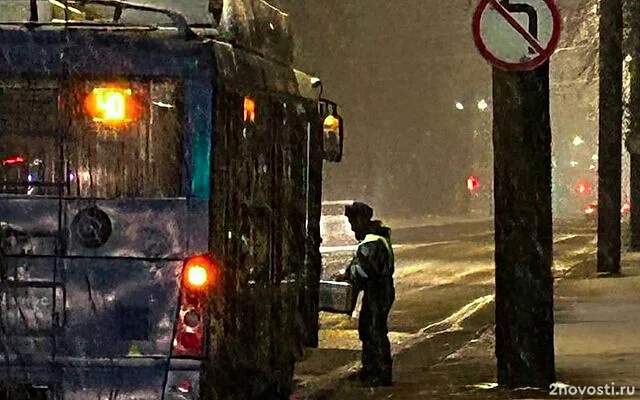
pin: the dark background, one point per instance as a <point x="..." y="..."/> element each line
<point x="397" y="68"/>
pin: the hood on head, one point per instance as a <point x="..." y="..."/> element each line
<point x="381" y="230"/>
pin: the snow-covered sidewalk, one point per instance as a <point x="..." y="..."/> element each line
<point x="597" y="349"/>
<point x="597" y="345"/>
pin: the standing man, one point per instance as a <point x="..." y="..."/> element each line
<point x="371" y="270"/>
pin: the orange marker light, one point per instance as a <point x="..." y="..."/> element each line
<point x="198" y="272"/>
<point x="109" y="105"/>
<point x="249" y="109"/>
<point x="331" y="123"/>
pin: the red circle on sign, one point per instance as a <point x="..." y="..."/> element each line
<point x="509" y="66"/>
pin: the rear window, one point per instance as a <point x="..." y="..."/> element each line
<point x="73" y="140"/>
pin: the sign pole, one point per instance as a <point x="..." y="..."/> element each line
<point x="518" y="39"/>
<point x="523" y="228"/>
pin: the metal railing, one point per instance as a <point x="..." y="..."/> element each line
<point x="177" y="18"/>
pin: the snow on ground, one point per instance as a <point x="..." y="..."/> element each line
<point x="432" y="220"/>
<point x="596" y="342"/>
<point x="443" y="292"/>
<point x="424" y="275"/>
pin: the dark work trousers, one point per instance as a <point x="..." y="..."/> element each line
<point x="373" y="329"/>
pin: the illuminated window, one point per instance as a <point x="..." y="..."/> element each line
<point x="249" y="110"/>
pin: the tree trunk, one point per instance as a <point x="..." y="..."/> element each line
<point x="633" y="15"/>
<point x="610" y="136"/>
<point x="523" y="228"/>
<point x="635" y="202"/>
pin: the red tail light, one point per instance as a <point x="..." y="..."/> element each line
<point x="198" y="276"/>
<point x="199" y="273"/>
<point x="13" y="160"/>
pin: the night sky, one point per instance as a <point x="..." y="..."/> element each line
<point x="398" y="68"/>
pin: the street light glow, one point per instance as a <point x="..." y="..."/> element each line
<point x="577" y="141"/>
<point x="628" y="58"/>
<point x="459" y="105"/>
<point x="482" y="105"/>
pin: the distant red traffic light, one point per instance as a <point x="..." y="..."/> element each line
<point x="472" y="183"/>
<point x="583" y="187"/>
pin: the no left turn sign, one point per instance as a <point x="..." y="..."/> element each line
<point x="516" y="35"/>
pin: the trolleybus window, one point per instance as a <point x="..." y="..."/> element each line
<point x="99" y="139"/>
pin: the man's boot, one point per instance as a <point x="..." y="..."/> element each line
<point x="382" y="377"/>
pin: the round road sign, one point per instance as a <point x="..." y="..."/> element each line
<point x="516" y="35"/>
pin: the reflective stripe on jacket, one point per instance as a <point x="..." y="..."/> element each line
<point x="357" y="272"/>
<point x="372" y="238"/>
